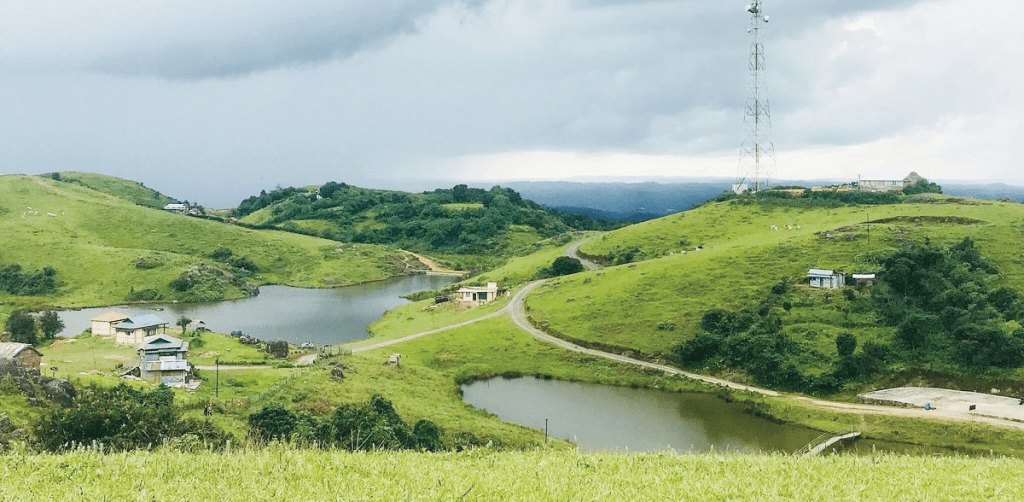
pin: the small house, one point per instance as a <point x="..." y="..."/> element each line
<point x="103" y="324"/>
<point x="477" y="295"/>
<point x="830" y="279"/>
<point x="132" y="332"/>
<point x="163" y="359"/>
<point x="889" y="185"/>
<point x="181" y="208"/>
<point x="26" y="355"/>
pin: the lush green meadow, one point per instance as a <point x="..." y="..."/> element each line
<point x="280" y="473"/>
<point x="104" y="247"/>
<point x="742" y="257"/>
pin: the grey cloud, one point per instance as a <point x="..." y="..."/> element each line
<point x="273" y="35"/>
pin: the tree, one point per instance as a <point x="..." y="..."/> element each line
<point x="50" y="324"/>
<point x="183" y="322"/>
<point x="563" y="265"/>
<point x="22" y="328"/>
<point x="845" y="345"/>
<point x="273" y="422"/>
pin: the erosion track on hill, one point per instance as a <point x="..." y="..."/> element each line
<point x="432" y="265"/>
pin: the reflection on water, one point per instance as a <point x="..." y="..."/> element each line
<point x="603" y="418"/>
<point x="321" y="316"/>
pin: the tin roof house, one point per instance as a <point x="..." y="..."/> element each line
<point x="163" y="359"/>
<point x="132" y="331"/>
<point x="831" y="279"/>
<point x="24" y="354"/>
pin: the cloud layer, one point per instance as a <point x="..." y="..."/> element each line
<point x="187" y="94"/>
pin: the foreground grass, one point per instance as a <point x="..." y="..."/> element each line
<point x="285" y="473"/>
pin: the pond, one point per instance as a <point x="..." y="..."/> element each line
<point x="623" y="419"/>
<point x="320" y="316"/>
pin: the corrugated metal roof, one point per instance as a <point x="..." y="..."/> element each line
<point x="814" y="272"/>
<point x="12" y="349"/>
<point x="110" y="317"/>
<point x="162" y="342"/>
<point x="138" y="322"/>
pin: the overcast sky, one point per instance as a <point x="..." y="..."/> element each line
<point x="212" y="101"/>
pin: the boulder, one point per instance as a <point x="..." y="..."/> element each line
<point x="278" y="348"/>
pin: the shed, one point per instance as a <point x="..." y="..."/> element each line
<point x="103" y="324"/>
<point x="135" y="329"/>
<point x="477" y="295"/>
<point x="164" y="359"/>
<point x="831" y="279"/>
<point x="26" y="355"/>
<point x="176" y="207"/>
<point x="864" y="278"/>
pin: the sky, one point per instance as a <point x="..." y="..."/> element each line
<point x="215" y="101"/>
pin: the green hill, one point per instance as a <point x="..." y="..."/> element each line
<point x="656" y="298"/>
<point x="106" y="249"/>
<point x="132" y="191"/>
<point x="459" y="221"/>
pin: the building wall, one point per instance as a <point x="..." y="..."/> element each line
<point x="103" y="328"/>
<point x="29" y="359"/>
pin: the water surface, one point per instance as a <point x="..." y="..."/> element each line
<point x="320" y="316"/>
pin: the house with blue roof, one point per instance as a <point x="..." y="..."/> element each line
<point x="132" y="331"/>
<point x="163" y="359"/>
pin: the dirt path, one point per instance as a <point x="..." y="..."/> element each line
<point x="48" y="186"/>
<point x="574" y="252"/>
<point x="432" y="265"/>
<point x="516" y="310"/>
<point x="225" y="367"/>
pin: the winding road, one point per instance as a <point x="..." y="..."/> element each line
<point x="516" y="310"/>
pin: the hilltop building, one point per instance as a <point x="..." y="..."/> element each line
<point x="889" y="185"/>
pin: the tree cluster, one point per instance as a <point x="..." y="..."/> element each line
<point x="24" y="328"/>
<point x="16" y="281"/>
<point x="374" y="425"/>
<point x="426" y="221"/>
<point x="944" y="309"/>
<point x="121" y="418"/>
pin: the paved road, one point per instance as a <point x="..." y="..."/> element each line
<point x="574" y="252"/>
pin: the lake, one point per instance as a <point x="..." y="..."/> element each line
<point x="609" y="418"/>
<point x="320" y="316"/>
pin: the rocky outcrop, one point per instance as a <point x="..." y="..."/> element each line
<point x="31" y="382"/>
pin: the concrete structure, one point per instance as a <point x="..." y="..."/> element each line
<point x="476" y="295"/>
<point x="831" y="279"/>
<point x="103" y="324"/>
<point x="26" y="355"/>
<point x="948" y="400"/>
<point x="164" y="359"/>
<point x="134" y="330"/>
<point x="176" y="207"/>
<point x="889" y="185"/>
<point x="864" y="278"/>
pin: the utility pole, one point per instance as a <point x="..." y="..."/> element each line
<point x="217" y="392"/>
<point x="757" y="155"/>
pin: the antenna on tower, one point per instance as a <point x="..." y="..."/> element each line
<point x="757" y="155"/>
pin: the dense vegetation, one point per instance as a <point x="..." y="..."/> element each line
<point x="16" y="281"/>
<point x="946" y="314"/>
<point x="459" y="220"/>
<point x="806" y="197"/>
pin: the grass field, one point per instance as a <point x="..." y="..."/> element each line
<point x="743" y="257"/>
<point x="282" y="472"/>
<point x="95" y="240"/>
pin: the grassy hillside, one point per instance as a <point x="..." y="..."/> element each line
<point x="132" y="191"/>
<point x="493" y="223"/>
<point x="655" y="303"/>
<point x="104" y="247"/>
<point x="286" y="473"/>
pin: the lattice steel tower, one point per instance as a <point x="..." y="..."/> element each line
<point x="757" y="155"/>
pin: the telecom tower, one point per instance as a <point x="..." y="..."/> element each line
<point x="757" y="155"/>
